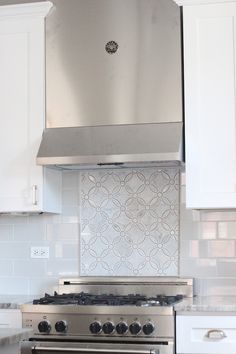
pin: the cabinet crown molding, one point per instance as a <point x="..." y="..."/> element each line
<point x="201" y="2"/>
<point x="36" y="9"/>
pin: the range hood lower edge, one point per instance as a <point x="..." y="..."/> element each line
<point x="115" y="145"/>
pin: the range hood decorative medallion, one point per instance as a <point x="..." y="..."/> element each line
<point x="122" y="108"/>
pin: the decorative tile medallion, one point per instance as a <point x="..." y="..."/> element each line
<point x="129" y="222"/>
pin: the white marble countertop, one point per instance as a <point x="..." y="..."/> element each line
<point x="9" y="336"/>
<point x="14" y="301"/>
<point x="207" y="304"/>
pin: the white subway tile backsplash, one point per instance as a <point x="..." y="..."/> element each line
<point x="62" y="267"/>
<point x="20" y="274"/>
<point x="41" y="285"/>
<point x="30" y="232"/>
<point x="70" y="211"/>
<point x="30" y="268"/>
<point x="221" y="249"/>
<point x="58" y="250"/>
<point x="45" y="219"/>
<point x="6" y="233"/>
<point x="203" y="249"/>
<point x="224" y="215"/>
<point x="208" y="230"/>
<point x="70" y="250"/>
<point x="189" y="230"/>
<point x="70" y="197"/>
<point x="14" y="285"/>
<point x="215" y="286"/>
<point x="207" y="249"/>
<point x="198" y="267"/>
<point x="227" y="230"/>
<point x="13" y="220"/>
<point x="6" y="268"/>
<point x="60" y="232"/>
<point x="130" y="227"/>
<point x="194" y="249"/>
<point x="205" y="268"/>
<point x="70" y="180"/>
<point x="64" y="249"/>
<point x="226" y="268"/>
<point x="14" y="250"/>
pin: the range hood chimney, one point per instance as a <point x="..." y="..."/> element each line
<point x="113" y="83"/>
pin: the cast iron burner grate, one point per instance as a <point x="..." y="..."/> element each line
<point x="107" y="299"/>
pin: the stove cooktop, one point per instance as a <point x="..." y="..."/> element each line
<point x="83" y="298"/>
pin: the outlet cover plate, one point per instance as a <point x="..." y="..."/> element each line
<point x="39" y="252"/>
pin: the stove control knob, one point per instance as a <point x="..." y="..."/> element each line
<point x="135" y="328"/>
<point x="148" y="328"/>
<point x="61" y="326"/>
<point x="95" y="327"/>
<point x="108" y="328"/>
<point x="44" y="327"/>
<point x="122" y="328"/>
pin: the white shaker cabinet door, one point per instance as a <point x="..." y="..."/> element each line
<point x="22" y="110"/>
<point x="210" y="110"/>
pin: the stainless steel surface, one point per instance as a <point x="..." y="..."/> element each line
<point x="162" y="317"/>
<point x="150" y="286"/>
<point x="108" y="328"/>
<point x="140" y="83"/>
<point x="103" y="281"/>
<point x="111" y="144"/>
<point x="96" y="350"/>
<point x="113" y="83"/>
<point x="79" y="318"/>
<point x="100" y="310"/>
<point x="68" y="347"/>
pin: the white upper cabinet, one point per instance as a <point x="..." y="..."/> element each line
<point x="210" y="105"/>
<point x="24" y="187"/>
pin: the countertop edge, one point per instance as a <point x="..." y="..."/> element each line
<point x="207" y="304"/>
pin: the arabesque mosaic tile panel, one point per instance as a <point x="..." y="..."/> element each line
<point x="129" y="222"/>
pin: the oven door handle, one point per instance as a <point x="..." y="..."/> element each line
<point x="95" y="350"/>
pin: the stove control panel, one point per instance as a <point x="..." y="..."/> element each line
<point x="108" y="328"/>
<point x="121" y="328"/>
<point x="100" y="325"/>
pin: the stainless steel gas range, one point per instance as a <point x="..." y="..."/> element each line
<point x="102" y="315"/>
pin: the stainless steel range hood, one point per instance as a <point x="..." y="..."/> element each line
<point x="113" y="83"/>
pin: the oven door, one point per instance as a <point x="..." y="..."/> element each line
<point x="33" y="347"/>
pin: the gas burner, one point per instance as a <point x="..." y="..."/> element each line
<point x="83" y="298"/>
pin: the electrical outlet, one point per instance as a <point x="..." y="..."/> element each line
<point x="39" y="252"/>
